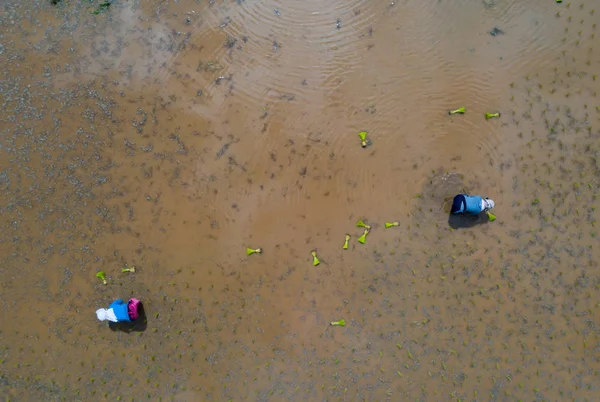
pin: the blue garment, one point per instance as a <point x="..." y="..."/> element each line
<point x="467" y="204"/>
<point x="120" y="309"/>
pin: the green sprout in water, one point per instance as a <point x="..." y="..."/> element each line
<point x="491" y="216"/>
<point x="132" y="269"/>
<point x="346" y="242"/>
<point x="315" y="259"/>
<point x="340" y="323"/>
<point x="460" y="110"/>
<point x="102" y="7"/>
<point x="101" y="275"/>
<point x="361" y="224"/>
<point x="492" y="115"/>
<point x="362" y="239"/>
<point x="391" y="224"/>
<point x="250" y="251"/>
<point x="363" y="139"/>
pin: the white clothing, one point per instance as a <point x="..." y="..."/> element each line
<point x="487" y="204"/>
<point x="106" y="314"/>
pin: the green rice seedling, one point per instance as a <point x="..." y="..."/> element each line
<point x="340" y="323"/>
<point x="102" y="276"/>
<point x="250" y="251"/>
<point x="315" y="258"/>
<point x="363" y="238"/>
<point x="492" y="115"/>
<point x="363" y="139"/>
<point x="346" y="242"/>
<point x="460" y="110"/>
<point x="391" y="224"/>
<point x="102" y="7"/>
<point x="124" y="270"/>
<point x="361" y="224"/>
<point x="491" y="216"/>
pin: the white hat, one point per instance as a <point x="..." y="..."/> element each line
<point x="491" y="204"/>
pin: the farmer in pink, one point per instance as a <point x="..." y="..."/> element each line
<point x="119" y="311"/>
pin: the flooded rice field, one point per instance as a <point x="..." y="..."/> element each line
<point x="170" y="136"/>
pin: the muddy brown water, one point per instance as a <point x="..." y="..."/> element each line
<point x="171" y="135"/>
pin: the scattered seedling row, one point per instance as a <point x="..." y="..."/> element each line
<point x="315" y="259"/>
<point x="102" y="275"/>
<point x="463" y="110"/>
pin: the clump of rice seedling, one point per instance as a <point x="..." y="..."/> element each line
<point x="361" y="224"/>
<point x="460" y="110"/>
<point x="102" y="7"/>
<point x="316" y="260"/>
<point x="363" y="238"/>
<point x="346" y="241"/>
<point x="250" y="251"/>
<point x="363" y="139"/>
<point x="102" y="276"/>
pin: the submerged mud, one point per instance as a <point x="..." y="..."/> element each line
<point x="169" y="136"/>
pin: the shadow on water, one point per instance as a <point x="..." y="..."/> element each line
<point x="467" y="221"/>
<point x="138" y="325"/>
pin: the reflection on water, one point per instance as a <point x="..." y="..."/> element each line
<point x="171" y="136"/>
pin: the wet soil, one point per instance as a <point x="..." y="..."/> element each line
<point x="172" y="135"/>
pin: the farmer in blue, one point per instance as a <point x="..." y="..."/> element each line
<point x="470" y="205"/>
<point x="119" y="311"/>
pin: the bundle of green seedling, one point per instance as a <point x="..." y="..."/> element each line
<point x="250" y="251"/>
<point x="346" y="242"/>
<point x="102" y="276"/>
<point x="460" y="110"/>
<point x="363" y="139"/>
<point x="367" y="228"/>
<point x="316" y="260"/>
